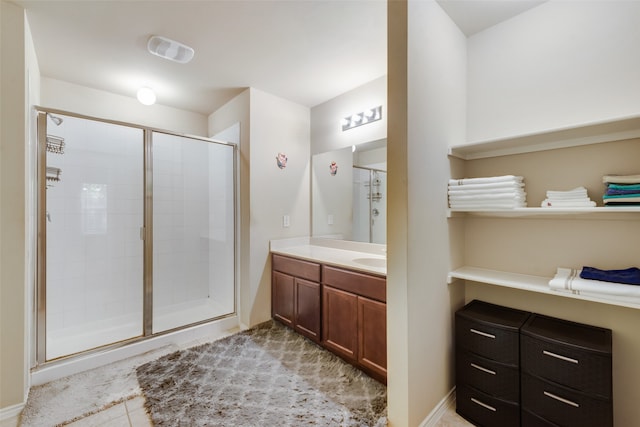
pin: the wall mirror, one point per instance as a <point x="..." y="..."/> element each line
<point x="349" y="193"/>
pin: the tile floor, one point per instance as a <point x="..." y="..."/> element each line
<point x="131" y="413"/>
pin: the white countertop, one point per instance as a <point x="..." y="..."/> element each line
<point x="368" y="258"/>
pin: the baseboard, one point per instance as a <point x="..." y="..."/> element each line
<point x="12" y="411"/>
<point x="447" y="402"/>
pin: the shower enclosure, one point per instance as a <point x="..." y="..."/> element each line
<point x="136" y="233"/>
<point x="369" y="205"/>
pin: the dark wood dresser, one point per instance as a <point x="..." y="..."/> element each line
<point x="488" y="364"/>
<point x="566" y="374"/>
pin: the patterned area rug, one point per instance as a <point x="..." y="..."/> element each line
<point x="265" y="376"/>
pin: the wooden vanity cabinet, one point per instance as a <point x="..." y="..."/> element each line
<point x="295" y="295"/>
<point x="354" y="318"/>
<point x="345" y="311"/>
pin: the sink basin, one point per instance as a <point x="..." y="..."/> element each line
<point x="371" y="262"/>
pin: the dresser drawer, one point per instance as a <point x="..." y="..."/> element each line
<point x="558" y="357"/>
<point x="563" y="406"/>
<point x="490" y="341"/>
<point x="490" y="331"/>
<point x="484" y="410"/>
<point x="531" y="420"/>
<point x="496" y="379"/>
<point x="296" y="267"/>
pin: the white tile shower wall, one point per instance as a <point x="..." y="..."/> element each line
<point x="94" y="251"/>
<point x="181" y="220"/>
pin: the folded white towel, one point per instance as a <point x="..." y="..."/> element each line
<point x="612" y="298"/>
<point x="576" y="192"/>
<point x="462" y="190"/>
<point x="488" y="196"/>
<point x="569" y="279"/>
<point x="486" y="180"/>
<point x="621" y="179"/>
<point x="493" y="204"/>
<point x="489" y="186"/>
<point x="576" y="203"/>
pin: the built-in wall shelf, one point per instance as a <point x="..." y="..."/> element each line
<point x="606" y="212"/>
<point x="530" y="283"/>
<point x="572" y="136"/>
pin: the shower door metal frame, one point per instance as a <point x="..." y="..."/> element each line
<point x="146" y="234"/>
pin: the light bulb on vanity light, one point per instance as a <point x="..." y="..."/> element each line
<point x="146" y="96"/>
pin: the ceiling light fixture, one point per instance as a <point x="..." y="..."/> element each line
<point x="170" y="49"/>
<point x="359" y="119"/>
<point x="146" y="96"/>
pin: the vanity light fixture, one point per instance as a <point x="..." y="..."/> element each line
<point x="363" y="118"/>
<point x="146" y="96"/>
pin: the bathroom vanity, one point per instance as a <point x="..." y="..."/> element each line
<point x="336" y="298"/>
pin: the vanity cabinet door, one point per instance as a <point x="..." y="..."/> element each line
<point x="282" y="301"/>
<point x="372" y="336"/>
<point x="307" y="309"/>
<point x="340" y="322"/>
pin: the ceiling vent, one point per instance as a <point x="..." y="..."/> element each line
<point x="170" y="49"/>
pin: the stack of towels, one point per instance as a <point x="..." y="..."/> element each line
<point x="576" y="198"/>
<point x="497" y="192"/>
<point x="621" y="190"/>
<point x="620" y="285"/>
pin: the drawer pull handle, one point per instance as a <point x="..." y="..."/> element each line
<point x="561" y="399"/>
<point x="484" y="334"/>
<point x="484" y="405"/>
<point x="557" y="356"/>
<point x="480" y="368"/>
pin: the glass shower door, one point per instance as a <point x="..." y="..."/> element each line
<point x="94" y="252"/>
<point x="193" y="231"/>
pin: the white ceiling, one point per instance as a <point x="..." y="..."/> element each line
<point x="473" y="16"/>
<point x="307" y="51"/>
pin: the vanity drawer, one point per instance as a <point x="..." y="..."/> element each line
<point x="490" y="331"/>
<point x="484" y="410"/>
<point x="570" y="354"/>
<point x="296" y="267"/>
<point x="564" y="406"/>
<point x="496" y="379"/>
<point x="361" y="284"/>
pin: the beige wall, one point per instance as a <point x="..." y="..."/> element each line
<point x="582" y="67"/>
<point x="277" y="125"/>
<point x="426" y="113"/>
<point x="268" y="125"/>
<point x="398" y="391"/>
<point x="106" y="105"/>
<point x="539" y="246"/>
<point x="13" y="119"/>
<point x="521" y="81"/>
<point x="502" y="99"/>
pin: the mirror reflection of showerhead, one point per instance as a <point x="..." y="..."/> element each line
<point x="55" y="119"/>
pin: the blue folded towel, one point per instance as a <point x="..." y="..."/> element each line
<point x="624" y="186"/>
<point x="629" y="276"/>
